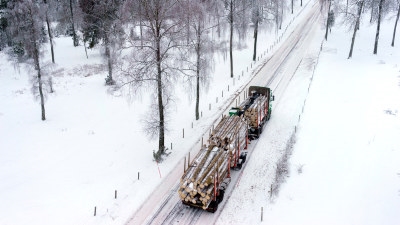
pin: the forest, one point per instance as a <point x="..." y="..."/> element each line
<point x="149" y="44"/>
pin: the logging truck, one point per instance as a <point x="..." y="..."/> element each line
<point x="206" y="178"/>
<point x="256" y="108"/>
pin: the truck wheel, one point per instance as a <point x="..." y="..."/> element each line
<point x="213" y="206"/>
<point x="221" y="196"/>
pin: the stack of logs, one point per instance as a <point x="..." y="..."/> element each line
<point x="211" y="165"/>
<point x="257" y="111"/>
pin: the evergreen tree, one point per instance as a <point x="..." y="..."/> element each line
<point x="100" y="22"/>
<point x="4" y="38"/>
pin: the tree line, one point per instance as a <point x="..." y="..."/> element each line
<point x="150" y="44"/>
<point x="352" y="12"/>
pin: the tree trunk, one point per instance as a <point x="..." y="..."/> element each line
<point x="347" y="7"/>
<point x="378" y="27"/>
<point x="301" y="3"/>
<point x="255" y="37"/>
<point x="41" y="94"/>
<point x="84" y="44"/>
<point x="327" y="20"/>
<point x="38" y="69"/>
<point x="277" y="17"/>
<point x="395" y="26"/>
<point x="372" y="11"/>
<point x="141" y="25"/>
<point x="231" y="36"/>
<point x="50" y="38"/>
<point x="292" y="6"/>
<point x="161" y="147"/>
<point x="109" y="79"/>
<point x="74" y="36"/>
<point x="198" y="72"/>
<point x="360" y="6"/>
<point x="281" y="20"/>
<point x="50" y="33"/>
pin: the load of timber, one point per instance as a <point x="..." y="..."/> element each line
<point x="213" y="162"/>
<point x="257" y="111"/>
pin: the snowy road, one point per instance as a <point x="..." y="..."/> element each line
<point x="164" y="206"/>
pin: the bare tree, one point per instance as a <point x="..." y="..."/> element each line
<point x="292" y="5"/>
<point x="275" y="8"/>
<point x="356" y="21"/>
<point x="26" y="24"/>
<point x="256" y="18"/>
<point x="74" y="35"/>
<point x="378" y="26"/>
<point x="372" y="6"/>
<point x="328" y="4"/>
<point x="395" y="24"/>
<point x="232" y="8"/>
<point x="49" y="30"/>
<point x="236" y="17"/>
<point x="200" y="45"/>
<point x="153" y="63"/>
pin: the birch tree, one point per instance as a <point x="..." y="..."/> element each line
<point x="49" y="29"/>
<point x="152" y="66"/>
<point x="200" y="45"/>
<point x="71" y="10"/>
<point x="231" y="5"/>
<point x="378" y="26"/>
<point x="275" y="8"/>
<point x="328" y="5"/>
<point x="236" y="11"/>
<point x="354" y="18"/>
<point x="26" y="21"/>
<point x="256" y="18"/>
<point x="395" y="23"/>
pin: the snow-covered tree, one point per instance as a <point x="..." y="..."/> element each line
<point x="275" y="9"/>
<point x="4" y="39"/>
<point x="378" y="25"/>
<point x="153" y="64"/>
<point x="237" y="18"/>
<point x="395" y="23"/>
<point x="256" y="18"/>
<point x="327" y="4"/>
<point x="26" y="20"/>
<point x="101" y="23"/>
<point x="46" y="7"/>
<point x="200" y="61"/>
<point x="353" y="18"/>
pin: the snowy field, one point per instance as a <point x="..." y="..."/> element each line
<point x="348" y="143"/>
<point x="92" y="143"/>
<point x="345" y="167"/>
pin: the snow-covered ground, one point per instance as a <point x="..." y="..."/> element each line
<point x="345" y="166"/>
<point x="92" y="144"/>
<point x="348" y="139"/>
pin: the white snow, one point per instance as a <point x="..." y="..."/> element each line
<point x="345" y="166"/>
<point x="92" y="143"/>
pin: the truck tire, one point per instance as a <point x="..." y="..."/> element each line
<point x="221" y="196"/>
<point x="213" y="207"/>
